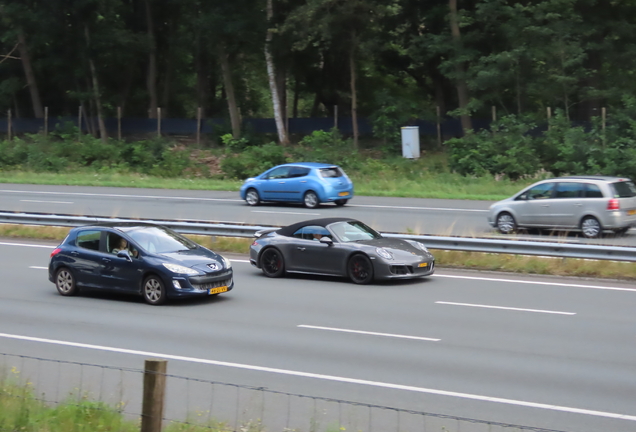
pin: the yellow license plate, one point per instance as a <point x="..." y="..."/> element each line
<point x="217" y="290"/>
<point x="631" y="212"/>
<point x="422" y="264"/>
<point x="343" y="194"/>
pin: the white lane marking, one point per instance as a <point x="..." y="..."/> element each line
<point x="48" y="202"/>
<point x="227" y="199"/>
<point x="600" y="287"/>
<point x="369" y="333"/>
<point x="39" y="268"/>
<point x="123" y="196"/>
<point x="292" y="213"/>
<point x="329" y="378"/>
<point x="26" y="245"/>
<point x="417" y="208"/>
<point x="506" y="308"/>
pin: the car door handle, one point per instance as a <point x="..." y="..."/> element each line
<point x="578" y="204"/>
<point x="75" y="253"/>
<point x="281" y="182"/>
<point x="300" y="248"/>
<point x="545" y="205"/>
<point x="303" y="181"/>
<point x="106" y="260"/>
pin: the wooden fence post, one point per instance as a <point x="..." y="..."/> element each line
<point x="603" y="118"/>
<point x="79" y="123"/>
<point x="154" y="395"/>
<point x="439" y="126"/>
<point x="119" y="123"/>
<point x="198" y="125"/>
<point x="46" y="121"/>
<point x="9" y="125"/>
<point x="335" y="116"/>
<point x="158" y="122"/>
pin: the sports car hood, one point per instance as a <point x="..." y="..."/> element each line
<point x="197" y="258"/>
<point x="401" y="249"/>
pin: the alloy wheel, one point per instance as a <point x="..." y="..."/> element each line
<point x="272" y="263"/>
<point x="311" y="199"/>
<point x="252" y="198"/>
<point x="591" y="227"/>
<point x="506" y="223"/>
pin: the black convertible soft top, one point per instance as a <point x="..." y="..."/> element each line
<point x="289" y="230"/>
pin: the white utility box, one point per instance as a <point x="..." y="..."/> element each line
<point x="411" y="142"/>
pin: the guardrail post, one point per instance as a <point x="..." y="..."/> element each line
<point x="154" y="395"/>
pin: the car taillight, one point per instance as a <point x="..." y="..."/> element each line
<point x="55" y="252"/>
<point x="613" y="204"/>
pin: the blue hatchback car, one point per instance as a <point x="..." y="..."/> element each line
<point x="308" y="183"/>
<point x="142" y="259"/>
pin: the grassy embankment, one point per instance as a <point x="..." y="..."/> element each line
<point x="427" y="177"/>
<point x="445" y="259"/>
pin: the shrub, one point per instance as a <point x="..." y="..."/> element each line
<point x="507" y="149"/>
<point x="253" y="161"/>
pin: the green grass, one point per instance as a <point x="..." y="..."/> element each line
<point x="445" y="259"/>
<point x="427" y="177"/>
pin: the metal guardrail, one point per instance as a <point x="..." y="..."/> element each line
<point x="517" y="247"/>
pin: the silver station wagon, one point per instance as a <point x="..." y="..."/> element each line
<point x="589" y="204"/>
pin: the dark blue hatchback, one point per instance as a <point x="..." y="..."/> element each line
<point x="144" y="259"/>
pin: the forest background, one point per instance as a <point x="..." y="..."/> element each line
<point x="559" y="73"/>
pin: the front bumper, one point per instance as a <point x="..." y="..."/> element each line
<point x="384" y="271"/>
<point x="200" y="286"/>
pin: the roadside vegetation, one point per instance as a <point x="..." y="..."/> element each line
<point x="21" y="409"/>
<point x="446" y="259"/>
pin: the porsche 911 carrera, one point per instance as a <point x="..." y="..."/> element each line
<point x="339" y="247"/>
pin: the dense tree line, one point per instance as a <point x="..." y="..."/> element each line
<point x="396" y="59"/>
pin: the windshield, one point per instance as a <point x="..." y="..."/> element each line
<point x="353" y="231"/>
<point x="160" y="240"/>
<point x="624" y="189"/>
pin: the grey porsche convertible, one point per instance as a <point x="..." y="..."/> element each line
<point x="339" y="247"/>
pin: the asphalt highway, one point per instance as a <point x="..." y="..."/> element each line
<point x="418" y="216"/>
<point x="545" y="352"/>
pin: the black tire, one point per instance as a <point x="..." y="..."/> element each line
<point x="272" y="263"/>
<point x="360" y="269"/>
<point x="506" y="223"/>
<point x="252" y="198"/>
<point x="154" y="291"/>
<point x="341" y="202"/>
<point x="65" y="282"/>
<point x="311" y="200"/>
<point x="591" y="227"/>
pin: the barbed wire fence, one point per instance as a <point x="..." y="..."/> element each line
<point x="197" y="404"/>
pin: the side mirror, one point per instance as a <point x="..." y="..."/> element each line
<point x="523" y="197"/>
<point x="124" y="254"/>
<point x="326" y="240"/>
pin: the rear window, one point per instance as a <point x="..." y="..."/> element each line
<point x="624" y="189"/>
<point x="331" y="172"/>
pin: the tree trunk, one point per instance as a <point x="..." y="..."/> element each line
<point x="462" y="88"/>
<point x="167" y="81"/>
<point x="103" y="134"/>
<point x="271" y="74"/>
<point x="151" y="77"/>
<point x="38" y="111"/>
<point x="296" y="97"/>
<point x="229" y="92"/>
<point x="354" y="96"/>
<point x="202" y="82"/>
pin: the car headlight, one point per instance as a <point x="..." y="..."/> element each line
<point x="174" y="268"/>
<point x="421" y="246"/>
<point x="384" y="253"/>
<point x="227" y="263"/>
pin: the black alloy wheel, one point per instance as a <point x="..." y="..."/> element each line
<point x="506" y="223"/>
<point x="360" y="269"/>
<point x="252" y="197"/>
<point x="154" y="291"/>
<point x="311" y="200"/>
<point x="341" y="202"/>
<point x="65" y="282"/>
<point x="272" y="263"/>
